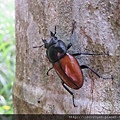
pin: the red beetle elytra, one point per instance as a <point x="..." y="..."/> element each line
<point x="65" y="64"/>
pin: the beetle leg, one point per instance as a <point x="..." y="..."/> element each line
<point x="69" y="92"/>
<point x="38" y="46"/>
<point x="85" y="66"/>
<point x="72" y="35"/>
<point x="49" y="70"/>
<point x="76" y="54"/>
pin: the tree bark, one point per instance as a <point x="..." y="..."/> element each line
<point x="97" y="30"/>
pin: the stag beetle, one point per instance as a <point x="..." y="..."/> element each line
<point x="65" y="64"/>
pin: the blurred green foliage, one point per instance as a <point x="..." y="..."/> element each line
<point x="7" y="55"/>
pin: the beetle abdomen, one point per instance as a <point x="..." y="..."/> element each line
<point x="69" y="71"/>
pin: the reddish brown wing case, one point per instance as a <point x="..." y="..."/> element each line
<point x="69" y="71"/>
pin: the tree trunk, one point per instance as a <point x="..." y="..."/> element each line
<point x="97" y="30"/>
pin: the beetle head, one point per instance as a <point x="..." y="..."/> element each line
<point x="56" y="49"/>
<point x="53" y="40"/>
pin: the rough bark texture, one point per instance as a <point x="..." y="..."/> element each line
<point x="97" y="30"/>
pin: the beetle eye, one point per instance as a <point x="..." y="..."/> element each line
<point x="54" y="39"/>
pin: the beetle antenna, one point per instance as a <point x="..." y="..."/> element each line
<point x="38" y="46"/>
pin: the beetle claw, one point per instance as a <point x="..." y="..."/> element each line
<point x="112" y="77"/>
<point x="38" y="100"/>
<point x="73" y="23"/>
<point x="107" y="53"/>
<point x="74" y="101"/>
<point x="75" y="105"/>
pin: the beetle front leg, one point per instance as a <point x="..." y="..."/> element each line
<point x="69" y="92"/>
<point x="72" y="35"/>
<point x="85" y="66"/>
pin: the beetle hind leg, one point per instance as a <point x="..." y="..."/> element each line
<point x="70" y="93"/>
<point x="85" y="66"/>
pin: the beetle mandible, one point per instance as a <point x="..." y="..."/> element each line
<point x="65" y="64"/>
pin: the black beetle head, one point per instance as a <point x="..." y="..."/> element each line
<point x="56" y="49"/>
<point x="52" y="41"/>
